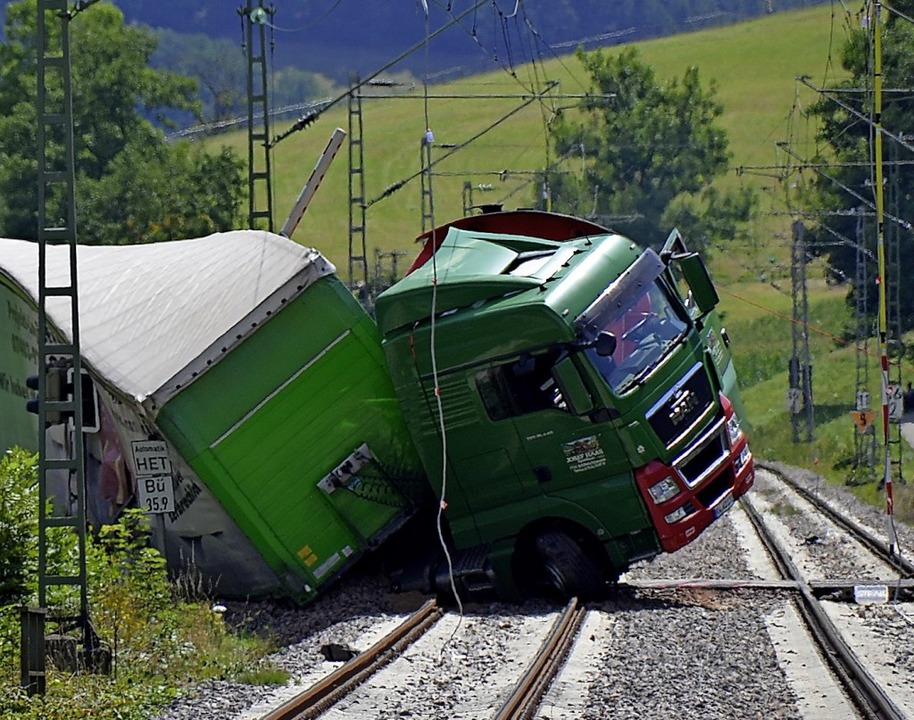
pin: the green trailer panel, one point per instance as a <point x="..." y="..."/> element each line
<point x="268" y="422"/>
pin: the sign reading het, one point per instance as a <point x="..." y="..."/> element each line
<point x="150" y="457"/>
<point x="153" y="468"/>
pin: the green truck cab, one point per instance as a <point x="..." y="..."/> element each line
<point x="562" y="399"/>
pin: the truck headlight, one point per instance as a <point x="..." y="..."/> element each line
<point x="734" y="430"/>
<point x="675" y="516"/>
<point x="664" y="490"/>
<point x="742" y="459"/>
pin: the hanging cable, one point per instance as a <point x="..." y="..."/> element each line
<point x="304" y="122"/>
<point x="309" y="25"/>
<point x="427" y="142"/>
<point x="271" y="69"/>
<point x="399" y="184"/>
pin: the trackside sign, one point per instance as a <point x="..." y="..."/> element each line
<point x="153" y="469"/>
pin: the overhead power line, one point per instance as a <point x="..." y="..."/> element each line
<point x="307" y="120"/>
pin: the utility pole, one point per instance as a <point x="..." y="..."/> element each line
<point x="881" y="255"/>
<point x="260" y="190"/>
<point x="895" y="345"/>
<point x="799" y="393"/>
<point x="358" y="255"/>
<point x="62" y="582"/>
<point x="864" y="467"/>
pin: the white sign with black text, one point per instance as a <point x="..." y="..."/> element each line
<point x="154" y="482"/>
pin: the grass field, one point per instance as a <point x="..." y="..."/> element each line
<point x="755" y="66"/>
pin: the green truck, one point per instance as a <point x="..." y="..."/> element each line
<point x="538" y="404"/>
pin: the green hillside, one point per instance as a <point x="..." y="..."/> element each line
<point x="755" y="66"/>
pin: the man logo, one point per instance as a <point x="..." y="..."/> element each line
<point x="682" y="406"/>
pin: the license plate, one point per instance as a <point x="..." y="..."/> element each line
<point x="724" y="505"/>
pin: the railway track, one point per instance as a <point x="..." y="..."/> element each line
<point x="521" y="703"/>
<point x="868" y="694"/>
<point x="685" y="644"/>
<point x="324" y="693"/>
<point x="861" y="534"/>
<point x="526" y="696"/>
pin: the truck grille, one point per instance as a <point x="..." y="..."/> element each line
<point x="705" y="457"/>
<point x="677" y="412"/>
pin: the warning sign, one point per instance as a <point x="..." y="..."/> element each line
<point x="863" y="419"/>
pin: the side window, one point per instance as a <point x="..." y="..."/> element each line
<point x="519" y="387"/>
<point x="683" y="290"/>
<point x="494" y="394"/>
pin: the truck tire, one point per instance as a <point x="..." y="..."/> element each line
<point x="569" y="570"/>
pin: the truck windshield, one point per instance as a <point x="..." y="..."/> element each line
<point x="645" y="323"/>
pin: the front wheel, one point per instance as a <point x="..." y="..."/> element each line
<point x="568" y="569"/>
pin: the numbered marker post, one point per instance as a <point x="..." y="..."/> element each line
<point x="895" y="400"/>
<point x="794" y="401"/>
<point x="157" y="493"/>
<point x="154" y="482"/>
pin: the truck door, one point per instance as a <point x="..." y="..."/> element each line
<point x="556" y="454"/>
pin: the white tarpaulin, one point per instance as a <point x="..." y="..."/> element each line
<point x="148" y="311"/>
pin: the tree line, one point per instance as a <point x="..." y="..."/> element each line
<point x="132" y="185"/>
<point x="314" y="34"/>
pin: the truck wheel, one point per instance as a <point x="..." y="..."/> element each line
<point x="568" y="569"/>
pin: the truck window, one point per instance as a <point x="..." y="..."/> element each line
<point x="646" y="326"/>
<point x="520" y="387"/>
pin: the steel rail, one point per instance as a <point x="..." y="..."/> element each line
<point x="869" y="698"/>
<point x="526" y="696"/>
<point x="877" y="546"/>
<point x="327" y="691"/>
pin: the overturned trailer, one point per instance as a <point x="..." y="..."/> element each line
<point x="243" y="361"/>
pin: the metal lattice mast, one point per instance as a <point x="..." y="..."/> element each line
<point x="260" y="190"/>
<point x="358" y="254"/>
<point x="893" y="318"/>
<point x="62" y="582"/>
<point x="864" y="467"/>
<point x="800" y="368"/>
<point x="881" y="254"/>
<point x="425" y="179"/>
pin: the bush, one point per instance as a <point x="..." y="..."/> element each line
<point x="159" y="642"/>
<point x="18" y="526"/>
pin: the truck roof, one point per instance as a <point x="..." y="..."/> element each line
<point x="530" y="223"/>
<point x="471" y="266"/>
<point x="149" y="311"/>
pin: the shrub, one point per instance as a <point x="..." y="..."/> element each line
<point x="18" y="526"/>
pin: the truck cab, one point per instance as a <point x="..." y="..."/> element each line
<point x="562" y="399"/>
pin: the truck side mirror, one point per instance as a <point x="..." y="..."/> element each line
<point x="574" y="393"/>
<point x="695" y="273"/>
<point x="605" y="344"/>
